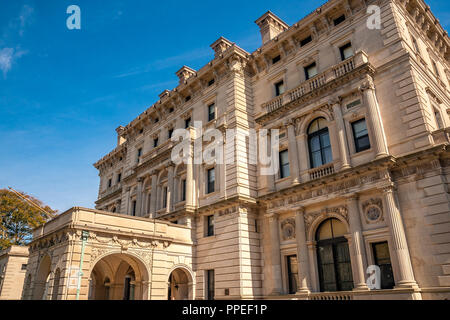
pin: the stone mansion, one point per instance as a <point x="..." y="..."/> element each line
<point x="364" y="169"/>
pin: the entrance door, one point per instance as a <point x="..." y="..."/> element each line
<point x="333" y="257"/>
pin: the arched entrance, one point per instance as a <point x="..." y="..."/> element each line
<point x="118" y="277"/>
<point x="40" y="290"/>
<point x="333" y="257"/>
<point x="179" y="285"/>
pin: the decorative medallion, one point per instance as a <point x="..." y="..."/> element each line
<point x="288" y="229"/>
<point x="373" y="211"/>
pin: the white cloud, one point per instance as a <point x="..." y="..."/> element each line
<point x="24" y="18"/>
<point x="8" y="57"/>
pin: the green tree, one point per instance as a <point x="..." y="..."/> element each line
<point x="18" y="217"/>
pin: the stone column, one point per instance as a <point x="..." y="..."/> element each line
<point x="170" y="188"/>
<point x="139" y="197"/>
<point x="293" y="154"/>
<point x="153" y="194"/>
<point x="375" y="121"/>
<point x="399" y="243"/>
<point x="127" y="200"/>
<point x="190" y="181"/>
<point x="342" y="137"/>
<point x="358" y="254"/>
<point x="303" y="155"/>
<point x="302" y="252"/>
<point x="275" y="256"/>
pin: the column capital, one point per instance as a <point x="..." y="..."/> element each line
<point x="367" y="84"/>
<point x="352" y="197"/>
<point x="335" y="101"/>
<point x="300" y="211"/>
<point x="140" y="179"/>
<point x="153" y="172"/>
<point x="272" y="215"/>
<point x="391" y="188"/>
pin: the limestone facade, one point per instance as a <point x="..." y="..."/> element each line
<point x="13" y="266"/>
<point x="363" y="117"/>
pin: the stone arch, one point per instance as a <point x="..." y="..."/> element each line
<point x="321" y="218"/>
<point x="310" y="118"/>
<point x="109" y="273"/>
<point x="42" y="278"/>
<point x="180" y="281"/>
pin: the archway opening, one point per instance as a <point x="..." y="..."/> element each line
<point x="179" y="285"/>
<point x="118" y="277"/>
<point x="333" y="257"/>
<point x="40" y="291"/>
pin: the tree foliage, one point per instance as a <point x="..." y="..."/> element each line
<point x="18" y="218"/>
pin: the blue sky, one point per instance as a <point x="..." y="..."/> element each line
<point x="63" y="92"/>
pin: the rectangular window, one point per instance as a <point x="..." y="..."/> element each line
<point x="24" y="267"/>
<point x="109" y="183"/>
<point x="339" y="20"/>
<point x="164" y="204"/>
<point x="210" y="284"/>
<point x="360" y="135"/>
<point x="187" y="123"/>
<point x="188" y="98"/>
<point x="284" y="164"/>
<point x="276" y="59"/>
<point x="279" y="88"/>
<point x="416" y="46"/>
<point x="183" y="190"/>
<point x="211" y="82"/>
<point x="119" y="177"/>
<point x="435" y="68"/>
<point x="292" y="270"/>
<point x="346" y="51"/>
<point x="305" y="41"/>
<point x="155" y="142"/>
<point x="210" y="225"/>
<point x="139" y="154"/>
<point x="170" y="133"/>
<point x="383" y="260"/>
<point x="133" y="208"/>
<point x="156" y="120"/>
<point x="211" y="177"/>
<point x="438" y="118"/>
<point x="310" y="70"/>
<point x="211" y="112"/>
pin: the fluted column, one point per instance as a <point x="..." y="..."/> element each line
<point x="302" y="252"/>
<point x="293" y="154"/>
<point x="190" y="181"/>
<point x="139" y="197"/>
<point x="399" y="243"/>
<point x="153" y="194"/>
<point x="375" y="121"/>
<point x="358" y="252"/>
<point x="303" y="155"/>
<point x="342" y="137"/>
<point x="275" y="256"/>
<point x="170" y="188"/>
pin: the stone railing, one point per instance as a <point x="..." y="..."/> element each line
<point x="343" y="295"/>
<point x="332" y="73"/>
<point x="322" y="171"/>
<point x="110" y="190"/>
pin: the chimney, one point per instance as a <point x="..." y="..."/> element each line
<point x="120" y="138"/>
<point x="270" y="26"/>
<point x="220" y="46"/>
<point x="185" y="73"/>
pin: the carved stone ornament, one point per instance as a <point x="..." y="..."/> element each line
<point x="373" y="210"/>
<point x="288" y="229"/>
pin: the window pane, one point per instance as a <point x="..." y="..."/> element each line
<point x="315" y="143"/>
<point x="284" y="157"/>
<point x="325" y="140"/>
<point x="327" y="155"/>
<point x="316" y="159"/>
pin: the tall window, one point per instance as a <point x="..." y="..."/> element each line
<point x="284" y="164"/>
<point x="339" y="20"/>
<point x="211" y="179"/>
<point x="310" y="71"/>
<point x="187" y="123"/>
<point x="155" y="142"/>
<point x="346" y="51"/>
<point x="360" y="135"/>
<point x="333" y="257"/>
<point x="435" y="68"/>
<point x="170" y="133"/>
<point x="319" y="143"/>
<point x="211" y="112"/>
<point x="438" y="118"/>
<point x="133" y="208"/>
<point x="305" y="41"/>
<point x="119" y="177"/>
<point x="139" y="154"/>
<point x="164" y="204"/>
<point x="210" y="284"/>
<point x="183" y="190"/>
<point x="109" y="183"/>
<point x="292" y="270"/>
<point x="383" y="260"/>
<point x="210" y="225"/>
<point x="279" y="88"/>
<point x="276" y="59"/>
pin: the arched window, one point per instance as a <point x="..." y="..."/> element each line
<point x="319" y="143"/>
<point x="56" y="284"/>
<point x="333" y="257"/>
